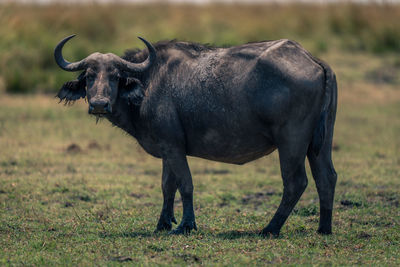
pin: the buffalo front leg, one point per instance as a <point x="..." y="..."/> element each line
<point x="178" y="165"/>
<point x="169" y="187"/>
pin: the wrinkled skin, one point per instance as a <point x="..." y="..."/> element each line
<point x="231" y="105"/>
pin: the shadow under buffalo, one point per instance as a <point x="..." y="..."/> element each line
<point x="228" y="235"/>
<point x="127" y="234"/>
<point x="238" y="234"/>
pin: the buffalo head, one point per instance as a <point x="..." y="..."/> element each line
<point x="105" y="77"/>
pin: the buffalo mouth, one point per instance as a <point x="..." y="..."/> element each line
<point x="100" y="111"/>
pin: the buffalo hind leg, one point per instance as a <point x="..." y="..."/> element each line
<point x="325" y="179"/>
<point x="294" y="183"/>
<point x="169" y="187"/>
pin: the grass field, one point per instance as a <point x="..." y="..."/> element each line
<point x="76" y="193"/>
<point x="73" y="192"/>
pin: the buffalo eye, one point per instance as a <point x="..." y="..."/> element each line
<point x="114" y="76"/>
<point x="90" y="75"/>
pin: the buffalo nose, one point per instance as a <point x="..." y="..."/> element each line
<point x="99" y="106"/>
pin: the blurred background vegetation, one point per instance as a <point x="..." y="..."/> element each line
<point x="341" y="33"/>
<point x="29" y="33"/>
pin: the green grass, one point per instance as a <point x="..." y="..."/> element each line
<point x="73" y="192"/>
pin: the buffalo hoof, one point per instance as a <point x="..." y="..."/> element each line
<point x="165" y="223"/>
<point x="184" y="228"/>
<point x="325" y="231"/>
<point x="269" y="233"/>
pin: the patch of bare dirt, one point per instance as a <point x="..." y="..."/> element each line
<point x="121" y="259"/>
<point x="350" y="203"/>
<point x="364" y="93"/>
<point x="383" y="75"/>
<point x="364" y="235"/>
<point x="151" y="172"/>
<point x="68" y="204"/>
<point x="93" y="145"/>
<point x="258" y="198"/>
<point x="388" y="198"/>
<point x="73" y="149"/>
<point x="335" y="146"/>
<point x="137" y="195"/>
<point x="212" y="171"/>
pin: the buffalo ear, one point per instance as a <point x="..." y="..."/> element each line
<point x="73" y="90"/>
<point x="132" y="90"/>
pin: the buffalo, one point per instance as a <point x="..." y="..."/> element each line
<point x="231" y="105"/>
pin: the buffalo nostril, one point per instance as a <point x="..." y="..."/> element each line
<point x="108" y="108"/>
<point x="91" y="108"/>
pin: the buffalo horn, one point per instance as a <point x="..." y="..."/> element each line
<point x="65" y="65"/>
<point x="140" y="67"/>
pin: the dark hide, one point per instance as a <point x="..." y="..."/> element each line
<point x="231" y="105"/>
